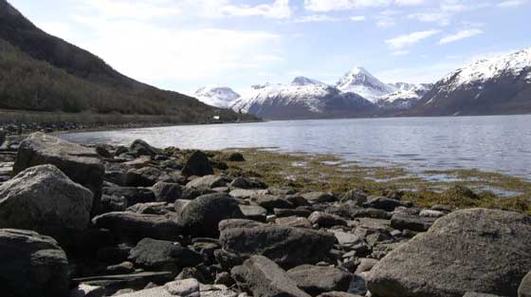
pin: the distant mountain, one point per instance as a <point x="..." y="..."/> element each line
<point x="361" y="82"/>
<point x="44" y="73"/>
<point x="302" y="98"/>
<point x="222" y="97"/>
<point x="405" y="96"/>
<point x="498" y="85"/>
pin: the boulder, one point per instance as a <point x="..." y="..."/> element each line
<point x="167" y="192"/>
<point x="319" y="197"/>
<point x="161" y="255"/>
<point x="358" y="197"/>
<point x="141" y="148"/>
<point x="524" y="290"/>
<point x="338" y="294"/>
<point x="293" y="222"/>
<point x="79" y="163"/>
<point x="460" y="253"/>
<point x="318" y="279"/>
<point x="208" y="182"/>
<point x="44" y="199"/>
<point x="131" y="195"/>
<point x="384" y="203"/>
<point x="132" y="226"/>
<point x="32" y="265"/>
<point x="202" y="215"/>
<point x="270" y="202"/>
<point x="264" y="278"/>
<point x="236" y="157"/>
<point x="254" y="212"/>
<point x="197" y="164"/>
<point x="143" y="177"/>
<point x="247" y="183"/>
<point x="411" y="222"/>
<point x="287" y="246"/>
<point x="326" y="220"/>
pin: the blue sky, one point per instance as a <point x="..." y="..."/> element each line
<point x="185" y="44"/>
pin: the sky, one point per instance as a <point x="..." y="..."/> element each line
<point x="183" y="45"/>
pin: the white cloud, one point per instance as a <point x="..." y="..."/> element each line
<point x="443" y="18"/>
<point x="358" y="18"/>
<point x="403" y="41"/>
<point x="279" y="9"/>
<point x="332" y="5"/>
<point x="409" y="2"/>
<point x="318" y="18"/>
<point x="463" y="34"/>
<point x="511" y="3"/>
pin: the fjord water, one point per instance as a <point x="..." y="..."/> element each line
<point x="491" y="143"/>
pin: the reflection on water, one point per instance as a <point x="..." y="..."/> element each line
<point x="494" y="143"/>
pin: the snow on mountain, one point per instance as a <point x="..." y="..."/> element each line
<point x="405" y="96"/>
<point x="361" y="82"/>
<point x="223" y="97"/>
<point x="488" y="69"/>
<point x="302" y="90"/>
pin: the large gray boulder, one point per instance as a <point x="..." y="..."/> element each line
<point x="264" y="278"/>
<point x="162" y="255"/>
<point x="197" y="164"/>
<point x="44" y="199"/>
<point x="180" y="288"/>
<point x="319" y="279"/>
<point x="524" y="290"/>
<point x="474" y="250"/>
<point x="287" y="246"/>
<point x="79" y="163"/>
<point x="32" y="265"/>
<point x="131" y="226"/>
<point x="202" y="215"/>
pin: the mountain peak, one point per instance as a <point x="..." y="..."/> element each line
<point x="363" y="83"/>
<point x="304" y="81"/>
<point x="222" y="97"/>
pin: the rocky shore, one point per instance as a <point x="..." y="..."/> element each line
<point x="139" y="221"/>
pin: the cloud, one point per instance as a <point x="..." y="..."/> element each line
<point x="407" y="40"/>
<point x="279" y="9"/>
<point x="318" y="18"/>
<point x="511" y="3"/>
<point x="463" y="34"/>
<point x="334" y="5"/>
<point x="358" y="18"/>
<point x="443" y="18"/>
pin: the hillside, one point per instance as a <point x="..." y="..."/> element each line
<point x="40" y="72"/>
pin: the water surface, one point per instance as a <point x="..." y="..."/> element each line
<point x="491" y="143"/>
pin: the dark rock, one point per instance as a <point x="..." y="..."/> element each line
<point x="319" y="197"/>
<point x="103" y="151"/>
<point x="459" y="253"/>
<point x="155" y="208"/>
<point x="192" y="193"/>
<point x="318" y="279"/>
<point x="44" y="199"/>
<point x="236" y="157"/>
<point x="142" y="148"/>
<point x="414" y="223"/>
<point x="264" y="278"/>
<point x="287" y="246"/>
<point x="524" y="290"/>
<point x="160" y="255"/>
<point x="122" y="268"/>
<point x="254" y="212"/>
<point x="271" y="202"/>
<point x="32" y="265"/>
<point x="197" y="164"/>
<point x="298" y="222"/>
<point x="475" y="294"/>
<point x="208" y="182"/>
<point x="384" y="203"/>
<point x="79" y="163"/>
<point x="202" y="215"/>
<point x="167" y="192"/>
<point x="298" y="212"/>
<point x="358" y="197"/>
<point x="370" y="213"/>
<point x="114" y="254"/>
<point x="326" y="220"/>
<point x="338" y="294"/>
<point x="247" y="183"/>
<point x="133" y="226"/>
<point x="112" y="203"/>
<point x="143" y="177"/>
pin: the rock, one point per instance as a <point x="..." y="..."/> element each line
<point x="238" y="223"/>
<point x="178" y="288"/>
<point x="141" y="148"/>
<point x="419" y="224"/>
<point x="384" y="203"/>
<point x="132" y="226"/>
<point x="264" y="278"/>
<point x="236" y="157"/>
<point x="247" y="183"/>
<point x="287" y="246"/>
<point x="167" y="192"/>
<point x="83" y="290"/>
<point x="122" y="268"/>
<point x="79" y="163"/>
<point x="208" y="182"/>
<point x="197" y="164"/>
<point x="192" y="193"/>
<point x="326" y="220"/>
<point x="297" y="212"/>
<point x="114" y="254"/>
<point x="293" y="222"/>
<point x="161" y="255"/>
<point x="254" y="212"/>
<point x="155" y="208"/>
<point x="248" y="193"/>
<point x="430" y="213"/>
<point x="459" y="253"/>
<point x="132" y="195"/>
<point x="202" y="215"/>
<point x="524" y="290"/>
<point x="370" y="213"/>
<point x="474" y="294"/>
<point x="33" y="265"/>
<point x="44" y="199"/>
<point x="270" y="202"/>
<point x="133" y="281"/>
<point x="358" y="197"/>
<point x="143" y="177"/>
<point x="366" y="264"/>
<point x="338" y="294"/>
<point x="103" y="151"/>
<point x="319" y="197"/>
<point x="318" y="279"/>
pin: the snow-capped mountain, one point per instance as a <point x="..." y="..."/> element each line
<point x="302" y="98"/>
<point x="223" y="97"/>
<point x="361" y="82"/>
<point x="495" y="85"/>
<point x="405" y="96"/>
